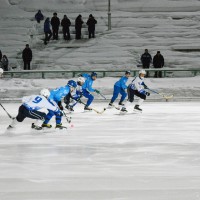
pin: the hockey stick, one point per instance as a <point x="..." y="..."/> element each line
<point x="6" y="112"/>
<point x="69" y="119"/>
<point x="98" y="112"/>
<point x="102" y="95"/>
<point x="165" y="96"/>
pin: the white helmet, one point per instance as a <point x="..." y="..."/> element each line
<point x="1" y="71"/>
<point x="81" y="79"/>
<point x="45" y="93"/>
<point x="142" y="71"/>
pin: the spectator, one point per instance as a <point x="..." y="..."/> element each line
<point x="0" y="55"/>
<point x="78" y="26"/>
<point x="5" y="63"/>
<point x="91" y="26"/>
<point x="55" y="23"/>
<point x="146" y="59"/>
<point x="39" y="16"/>
<point x="47" y="30"/>
<point x="66" y="23"/>
<point x="27" y="57"/>
<point x="158" y="62"/>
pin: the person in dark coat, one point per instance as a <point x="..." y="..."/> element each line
<point x="5" y="63"/>
<point x="158" y="62"/>
<point x="66" y="23"/>
<point x="0" y="55"/>
<point x="47" y="30"/>
<point x="78" y="26"/>
<point x="27" y="57"/>
<point x="146" y="59"/>
<point x="39" y="16"/>
<point x="91" y="26"/>
<point x="55" y="23"/>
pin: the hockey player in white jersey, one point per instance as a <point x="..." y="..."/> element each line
<point x="30" y="107"/>
<point x="137" y="87"/>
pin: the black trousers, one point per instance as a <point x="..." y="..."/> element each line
<point x="132" y="93"/>
<point x="91" y="33"/>
<point x="27" y="65"/>
<point x="66" y="34"/>
<point x="78" y="33"/>
<point x="23" y="113"/>
<point x="48" y="36"/>
<point x="146" y="66"/>
<point x="158" y="74"/>
<point x="55" y="33"/>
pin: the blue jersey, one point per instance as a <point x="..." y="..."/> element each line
<point x="122" y="82"/>
<point x="88" y="83"/>
<point x="59" y="93"/>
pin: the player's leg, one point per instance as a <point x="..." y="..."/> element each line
<point x="140" y="101"/>
<point x="123" y="96"/>
<point x="90" y="98"/>
<point x="116" y="92"/>
<point x="47" y="119"/>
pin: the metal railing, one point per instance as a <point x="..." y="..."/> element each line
<point x="166" y="72"/>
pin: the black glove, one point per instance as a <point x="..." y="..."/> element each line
<point x="147" y="93"/>
<point x="145" y="87"/>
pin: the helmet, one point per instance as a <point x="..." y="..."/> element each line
<point x="72" y="83"/>
<point x="1" y="71"/>
<point x="142" y="71"/>
<point x="127" y="72"/>
<point x="45" y="93"/>
<point x="81" y="79"/>
<point x="93" y="74"/>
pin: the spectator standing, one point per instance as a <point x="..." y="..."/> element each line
<point x="91" y="26"/>
<point x="66" y="23"/>
<point x="0" y="55"/>
<point x="5" y="63"/>
<point x="78" y="26"/>
<point x="55" y="23"/>
<point x="47" y="30"/>
<point x="146" y="59"/>
<point x="39" y="16"/>
<point x="27" y="57"/>
<point x="158" y="62"/>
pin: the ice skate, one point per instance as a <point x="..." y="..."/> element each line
<point x="86" y="108"/>
<point x="137" y="109"/>
<point x="60" y="126"/>
<point x="46" y="125"/>
<point x="36" y="127"/>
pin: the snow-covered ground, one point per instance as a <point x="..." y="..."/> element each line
<point x="155" y="24"/>
<point x="150" y="156"/>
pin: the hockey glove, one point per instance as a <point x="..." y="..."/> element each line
<point x="147" y="93"/>
<point x="97" y="91"/>
<point x="145" y="87"/>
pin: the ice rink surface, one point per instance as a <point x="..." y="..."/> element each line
<point x="150" y="156"/>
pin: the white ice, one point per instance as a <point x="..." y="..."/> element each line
<point x="150" y="156"/>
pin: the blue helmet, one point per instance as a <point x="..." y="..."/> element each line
<point x="72" y="83"/>
<point x="93" y="74"/>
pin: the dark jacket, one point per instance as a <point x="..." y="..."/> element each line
<point x="39" y="16"/>
<point x="91" y="23"/>
<point x="0" y="55"/>
<point x="158" y="61"/>
<point x="65" y="23"/>
<point x="27" y="54"/>
<point x="146" y="58"/>
<point x="78" y="23"/>
<point x="5" y="63"/>
<point x="47" y="26"/>
<point x="55" y="22"/>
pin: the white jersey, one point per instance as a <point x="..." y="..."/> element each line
<point x="37" y="102"/>
<point x="137" y="84"/>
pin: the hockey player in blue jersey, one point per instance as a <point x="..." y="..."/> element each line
<point x="120" y="88"/>
<point x="31" y="106"/>
<point x="56" y="96"/>
<point x="137" y="88"/>
<point x="87" y="88"/>
<point x="72" y="98"/>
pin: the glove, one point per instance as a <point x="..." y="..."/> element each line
<point x="58" y="113"/>
<point x="145" y="86"/>
<point x="97" y="91"/>
<point x="147" y="93"/>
